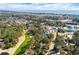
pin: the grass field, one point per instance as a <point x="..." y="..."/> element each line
<point x="23" y="46"/>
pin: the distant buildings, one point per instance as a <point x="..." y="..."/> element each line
<point x="52" y="29"/>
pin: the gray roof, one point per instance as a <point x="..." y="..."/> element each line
<point x="1" y="39"/>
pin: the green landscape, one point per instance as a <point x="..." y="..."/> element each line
<point x="23" y="46"/>
<point x="37" y="33"/>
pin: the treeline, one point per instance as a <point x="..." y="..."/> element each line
<point x="67" y="46"/>
<point x="9" y="34"/>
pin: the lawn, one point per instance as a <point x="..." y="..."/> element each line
<point x="23" y="46"/>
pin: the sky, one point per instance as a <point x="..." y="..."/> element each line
<point x="60" y="8"/>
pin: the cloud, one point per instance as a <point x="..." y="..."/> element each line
<point x="39" y="6"/>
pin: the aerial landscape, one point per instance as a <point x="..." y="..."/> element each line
<point x="39" y="29"/>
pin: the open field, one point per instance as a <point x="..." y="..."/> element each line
<point x="27" y="38"/>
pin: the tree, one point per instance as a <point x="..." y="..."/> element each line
<point x="10" y="33"/>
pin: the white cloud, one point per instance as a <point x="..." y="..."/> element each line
<point x="24" y="7"/>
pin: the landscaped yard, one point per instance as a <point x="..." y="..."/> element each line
<point x="23" y="46"/>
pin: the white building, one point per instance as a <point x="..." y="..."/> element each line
<point x="52" y="29"/>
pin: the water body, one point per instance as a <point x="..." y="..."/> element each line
<point x="54" y="11"/>
<point x="70" y="30"/>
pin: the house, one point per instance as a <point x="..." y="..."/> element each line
<point x="52" y="29"/>
<point x="1" y="40"/>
